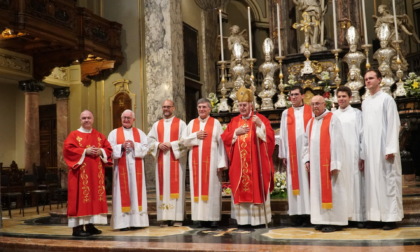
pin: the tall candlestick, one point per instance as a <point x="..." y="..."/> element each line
<point x="395" y="20"/>
<point x="249" y="32"/>
<point x="335" y="25"/>
<point x="364" y="22"/>
<point x="278" y="29"/>
<point x="221" y="35"/>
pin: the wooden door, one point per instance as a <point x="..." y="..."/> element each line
<point x="48" y="135"/>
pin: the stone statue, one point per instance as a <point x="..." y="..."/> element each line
<point x="315" y="12"/>
<point x="384" y="56"/>
<point x="405" y="28"/>
<point x="237" y="36"/>
<point x="354" y="59"/>
<point x="268" y="69"/>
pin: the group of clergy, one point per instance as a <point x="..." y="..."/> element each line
<point x="343" y="165"/>
<point x="248" y="142"/>
<point x="339" y="169"/>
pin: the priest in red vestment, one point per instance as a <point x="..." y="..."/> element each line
<point x="251" y="183"/>
<point x="86" y="151"/>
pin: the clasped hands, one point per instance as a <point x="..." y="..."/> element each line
<point x="128" y="145"/>
<point x="93" y="151"/>
<point x="165" y="146"/>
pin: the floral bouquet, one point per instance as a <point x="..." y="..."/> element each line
<point x="412" y="85"/>
<point x="280" y="189"/>
<point x="226" y="190"/>
<point x="214" y="102"/>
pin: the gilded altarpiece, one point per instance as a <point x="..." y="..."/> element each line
<point x="122" y="99"/>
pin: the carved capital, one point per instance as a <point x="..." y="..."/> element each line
<point x="31" y="86"/>
<point x="61" y="93"/>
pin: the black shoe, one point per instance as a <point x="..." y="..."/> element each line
<point x="361" y="224"/>
<point x="330" y="228"/>
<point x="373" y="224"/>
<point x="389" y="225"/>
<point x="125" y="229"/>
<point x="214" y="224"/>
<point x="90" y="228"/>
<point x="79" y="232"/>
<point x="318" y="227"/>
<point x="135" y="228"/>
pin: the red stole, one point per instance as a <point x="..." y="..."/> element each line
<point x="174" y="163"/>
<point x="123" y="173"/>
<point x="205" y="160"/>
<point x="291" y="138"/>
<point x="325" y="161"/>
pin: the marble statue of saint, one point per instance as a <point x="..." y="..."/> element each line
<point x="354" y="59"/>
<point x="316" y="13"/>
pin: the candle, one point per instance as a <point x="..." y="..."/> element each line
<point x="249" y="32"/>
<point x="221" y="35"/>
<point x="395" y="20"/>
<point x="335" y="25"/>
<point x="278" y="29"/>
<point x="364" y="22"/>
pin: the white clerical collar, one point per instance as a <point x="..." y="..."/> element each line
<point x="81" y="129"/>
<point x="205" y="119"/>
<point x="298" y="107"/>
<point x="168" y="119"/>
<point x="346" y="108"/>
<point x="127" y="128"/>
<point x="322" y="115"/>
<point x="247" y="117"/>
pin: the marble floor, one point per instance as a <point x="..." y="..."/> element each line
<point x="34" y="233"/>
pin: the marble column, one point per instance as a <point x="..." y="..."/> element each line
<point x="62" y="96"/>
<point x="164" y="57"/>
<point x="209" y="30"/>
<point x="31" y="89"/>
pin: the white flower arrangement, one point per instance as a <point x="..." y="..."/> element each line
<point x="280" y="187"/>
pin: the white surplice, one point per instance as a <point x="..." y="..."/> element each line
<point x="134" y="218"/>
<point x="167" y="208"/>
<point x="298" y="204"/>
<point x="338" y="214"/>
<point x="381" y="125"/>
<point x="209" y="210"/>
<point x="351" y="121"/>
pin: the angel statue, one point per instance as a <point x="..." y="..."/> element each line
<point x="405" y="27"/>
<point x="237" y="36"/>
<point x="267" y="69"/>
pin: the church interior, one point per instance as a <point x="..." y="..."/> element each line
<point x="60" y="57"/>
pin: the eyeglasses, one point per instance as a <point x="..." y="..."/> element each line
<point x="126" y="117"/>
<point x="316" y="104"/>
<point x="166" y="107"/>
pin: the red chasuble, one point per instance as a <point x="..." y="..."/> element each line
<point x="325" y="160"/>
<point x="244" y="171"/>
<point x="174" y="163"/>
<point x="123" y="172"/>
<point x="291" y="139"/>
<point x="86" y="182"/>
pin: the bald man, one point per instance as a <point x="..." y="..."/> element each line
<point x="323" y="160"/>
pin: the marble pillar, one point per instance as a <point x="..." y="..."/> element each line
<point x="164" y="57"/>
<point x="209" y="50"/>
<point x="164" y="54"/>
<point x="62" y="111"/>
<point x="31" y="89"/>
